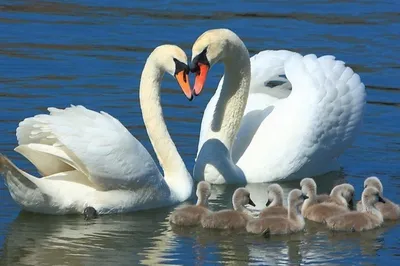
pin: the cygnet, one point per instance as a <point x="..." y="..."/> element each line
<point x="356" y="221"/>
<point x="275" y="202"/>
<point x="231" y="219"/>
<point x="277" y="225"/>
<point x="389" y="210"/>
<point x="336" y="204"/>
<point x="191" y="215"/>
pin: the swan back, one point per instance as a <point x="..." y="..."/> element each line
<point x="203" y="193"/>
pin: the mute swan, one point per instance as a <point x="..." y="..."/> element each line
<point x="369" y="218"/>
<point x="277" y="225"/>
<point x="192" y="215"/>
<point x="389" y="210"/>
<point x="231" y="219"/>
<point x="275" y="202"/>
<point x="336" y="203"/>
<point x="252" y="132"/>
<point x="90" y="160"/>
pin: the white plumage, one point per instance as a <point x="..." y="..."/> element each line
<point x="286" y="134"/>
<point x="89" y="159"/>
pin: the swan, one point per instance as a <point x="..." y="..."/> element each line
<point x="253" y="132"/>
<point x="389" y="209"/>
<point x="235" y="219"/>
<point x="90" y="160"/>
<point x="356" y="221"/>
<point x="279" y="225"/>
<point x="191" y="215"/>
<point x="274" y="206"/>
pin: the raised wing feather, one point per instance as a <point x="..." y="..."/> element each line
<point x="266" y="67"/>
<point x="312" y="126"/>
<point x="111" y="157"/>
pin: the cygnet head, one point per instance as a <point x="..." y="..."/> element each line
<point x="308" y="187"/>
<point x="203" y="192"/>
<point x="240" y="198"/>
<point x="346" y="191"/>
<point x="173" y="60"/>
<point x="370" y="196"/>
<point x="373" y="181"/>
<point x="275" y="195"/>
<point x="296" y="198"/>
<point x="212" y="46"/>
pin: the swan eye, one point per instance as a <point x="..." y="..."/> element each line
<point x="199" y="59"/>
<point x="180" y="66"/>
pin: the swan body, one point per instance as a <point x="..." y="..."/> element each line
<point x="255" y="132"/>
<point x="88" y="158"/>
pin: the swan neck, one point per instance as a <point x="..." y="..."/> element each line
<point x="175" y="173"/>
<point x="231" y="104"/>
<point x="294" y="212"/>
<point x="202" y="201"/>
<point x="278" y="201"/>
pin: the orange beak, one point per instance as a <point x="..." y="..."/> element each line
<point x="183" y="81"/>
<point x="201" y="77"/>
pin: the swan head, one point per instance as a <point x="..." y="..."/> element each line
<point x="240" y="198"/>
<point x="308" y="186"/>
<point x="173" y="60"/>
<point x="373" y="181"/>
<point x="296" y="197"/>
<point x="345" y="191"/>
<point x="275" y="195"/>
<point x="370" y="196"/>
<point x="212" y="46"/>
<point x="203" y="192"/>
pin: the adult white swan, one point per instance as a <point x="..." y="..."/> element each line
<point x="254" y="132"/>
<point x="90" y="160"/>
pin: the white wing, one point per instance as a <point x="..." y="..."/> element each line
<point x="266" y="67"/>
<point x="312" y="126"/>
<point x="95" y="144"/>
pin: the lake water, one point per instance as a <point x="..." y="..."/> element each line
<point x="57" y="53"/>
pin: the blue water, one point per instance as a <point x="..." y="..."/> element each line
<point x="57" y="53"/>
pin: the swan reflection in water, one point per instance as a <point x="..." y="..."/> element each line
<point x="146" y="237"/>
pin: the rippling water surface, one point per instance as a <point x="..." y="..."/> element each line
<point x="57" y="53"/>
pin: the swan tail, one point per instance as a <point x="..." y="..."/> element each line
<point x="21" y="185"/>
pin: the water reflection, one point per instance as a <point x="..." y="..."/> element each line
<point x="147" y="238"/>
<point x="51" y="240"/>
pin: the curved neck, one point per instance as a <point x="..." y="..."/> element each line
<point x="312" y="193"/>
<point x="294" y="213"/>
<point x="336" y="193"/>
<point x="372" y="210"/>
<point x="232" y="101"/>
<point x="175" y="173"/>
<point x="278" y="200"/>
